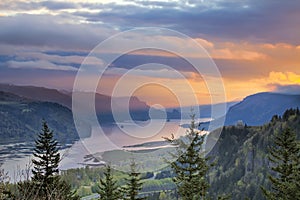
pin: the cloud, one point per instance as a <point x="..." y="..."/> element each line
<point x="66" y="59"/>
<point x="284" y="78"/>
<point x="33" y="6"/>
<point x="58" y="5"/>
<point x="260" y="21"/>
<point x="266" y="21"/>
<point x="40" y="64"/>
<point x="254" y="43"/>
<point x="286" y="89"/>
<point x="49" y="31"/>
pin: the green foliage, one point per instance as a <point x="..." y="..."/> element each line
<point x="56" y="190"/>
<point x="164" y="196"/>
<point x="285" y="155"/>
<point x="241" y="167"/>
<point x="46" y="184"/>
<point x="121" y="159"/>
<point x="242" y="164"/>
<point x="133" y="184"/>
<point x="241" y="154"/>
<point x="46" y="161"/>
<point x="4" y="185"/>
<point x="224" y="197"/>
<point x="190" y="166"/>
<point x="157" y="185"/>
<point x="108" y="188"/>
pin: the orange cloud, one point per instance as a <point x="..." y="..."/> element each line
<point x="236" y="89"/>
<point x="284" y="78"/>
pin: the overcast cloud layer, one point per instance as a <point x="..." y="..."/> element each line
<point x="254" y="43"/>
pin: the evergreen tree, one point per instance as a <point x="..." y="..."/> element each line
<point x="46" y="182"/>
<point x="190" y="166"/>
<point x="58" y="190"/>
<point x="63" y="191"/>
<point x="133" y="184"/>
<point x="46" y="161"/>
<point x="285" y="155"/>
<point x="108" y="188"/>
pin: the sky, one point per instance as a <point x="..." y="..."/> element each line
<point x="255" y="45"/>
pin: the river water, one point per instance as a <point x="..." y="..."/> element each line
<point x="16" y="157"/>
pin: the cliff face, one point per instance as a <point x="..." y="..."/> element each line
<point x="241" y="154"/>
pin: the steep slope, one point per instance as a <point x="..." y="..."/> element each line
<point x="21" y="119"/>
<point x="241" y="155"/>
<point x="259" y="108"/>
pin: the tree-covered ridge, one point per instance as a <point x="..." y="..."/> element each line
<point x="21" y="119"/>
<point x="242" y="152"/>
<point x="242" y="164"/>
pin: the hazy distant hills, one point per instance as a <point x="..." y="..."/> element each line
<point x="38" y="93"/>
<point x="259" y="108"/>
<point x="65" y="98"/>
<point x="255" y="109"/>
<point x="138" y="109"/>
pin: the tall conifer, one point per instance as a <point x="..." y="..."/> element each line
<point x="133" y="183"/>
<point x="108" y="188"/>
<point x="190" y="165"/>
<point x="285" y="156"/>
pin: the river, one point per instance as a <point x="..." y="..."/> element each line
<point x="16" y="157"/>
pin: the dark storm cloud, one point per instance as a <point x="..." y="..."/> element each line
<point x="262" y="21"/>
<point x="43" y="30"/>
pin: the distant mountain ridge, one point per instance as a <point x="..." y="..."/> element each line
<point x="38" y="93"/>
<point x="138" y="109"/>
<point x="258" y="109"/>
<point x="255" y="109"/>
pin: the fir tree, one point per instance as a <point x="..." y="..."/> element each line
<point x="285" y="155"/>
<point x="190" y="166"/>
<point x="133" y="184"/>
<point x="46" y="160"/>
<point x="46" y="182"/>
<point x="108" y="188"/>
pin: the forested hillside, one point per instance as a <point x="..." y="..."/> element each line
<point x="241" y="154"/>
<point x="241" y="164"/>
<point x="21" y="119"/>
